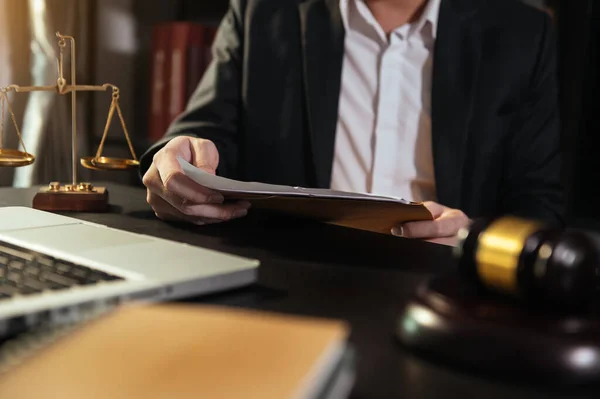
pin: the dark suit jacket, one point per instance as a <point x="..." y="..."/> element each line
<point x="269" y="102"/>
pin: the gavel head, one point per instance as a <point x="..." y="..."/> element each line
<point x="537" y="263"/>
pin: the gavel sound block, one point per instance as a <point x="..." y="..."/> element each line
<point x="523" y="303"/>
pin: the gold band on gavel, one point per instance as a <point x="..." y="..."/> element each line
<point x="498" y="252"/>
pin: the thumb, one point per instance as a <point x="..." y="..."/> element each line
<point x="436" y="209"/>
<point x="205" y="155"/>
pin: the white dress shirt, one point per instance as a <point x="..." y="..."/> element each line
<point x="383" y="137"/>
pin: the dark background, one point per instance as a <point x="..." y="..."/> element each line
<point x="578" y="36"/>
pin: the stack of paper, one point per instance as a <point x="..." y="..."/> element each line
<point x="362" y="211"/>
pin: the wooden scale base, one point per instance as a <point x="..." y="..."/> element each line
<point x="82" y="197"/>
<point x="451" y="321"/>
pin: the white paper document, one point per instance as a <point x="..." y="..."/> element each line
<point x="224" y="185"/>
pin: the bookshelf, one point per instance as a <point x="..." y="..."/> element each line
<point x="579" y="38"/>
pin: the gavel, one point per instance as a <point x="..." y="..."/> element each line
<point x="528" y="260"/>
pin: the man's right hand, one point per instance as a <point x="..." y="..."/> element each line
<point x="175" y="197"/>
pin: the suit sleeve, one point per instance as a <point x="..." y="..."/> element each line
<point x="533" y="186"/>
<point x="213" y="111"/>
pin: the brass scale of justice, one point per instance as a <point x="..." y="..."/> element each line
<point x="77" y="196"/>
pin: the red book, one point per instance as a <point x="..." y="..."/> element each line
<point x="176" y="95"/>
<point x="181" y="52"/>
<point x="195" y="59"/>
<point x="160" y="48"/>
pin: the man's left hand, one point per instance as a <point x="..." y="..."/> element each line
<point x="442" y="229"/>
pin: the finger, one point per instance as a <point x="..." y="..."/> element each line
<point x="446" y="225"/>
<point x="167" y="164"/>
<point x="185" y="188"/>
<point x="175" y="182"/>
<point x="154" y="184"/>
<point x="449" y="241"/>
<point x="219" y="212"/>
<point x="165" y="211"/>
<point x="436" y="209"/>
<point x="205" y="155"/>
<point x="429" y="228"/>
<point x="196" y="213"/>
<point x="151" y="179"/>
<point x="176" y="217"/>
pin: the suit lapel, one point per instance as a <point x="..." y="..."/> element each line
<point x="323" y="51"/>
<point x="455" y="72"/>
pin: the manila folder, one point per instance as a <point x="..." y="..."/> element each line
<point x="355" y="210"/>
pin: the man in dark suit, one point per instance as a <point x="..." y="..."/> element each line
<point x="450" y="102"/>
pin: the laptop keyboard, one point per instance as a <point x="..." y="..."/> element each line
<point x="25" y="272"/>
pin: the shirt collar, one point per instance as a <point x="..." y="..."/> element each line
<point x="430" y="14"/>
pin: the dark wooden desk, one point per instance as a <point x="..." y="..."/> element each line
<point x="321" y="270"/>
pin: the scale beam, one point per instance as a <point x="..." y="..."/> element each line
<point x="65" y="89"/>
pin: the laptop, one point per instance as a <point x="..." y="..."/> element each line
<point x="57" y="269"/>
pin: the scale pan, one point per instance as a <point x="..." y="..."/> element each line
<point x="87" y="163"/>
<point x="108" y="163"/>
<point x="15" y="158"/>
